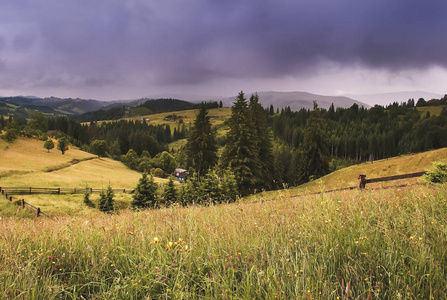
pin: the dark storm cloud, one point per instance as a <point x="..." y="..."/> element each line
<point x="97" y="43"/>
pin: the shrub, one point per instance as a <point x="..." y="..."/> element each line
<point x="157" y="172"/>
<point x="438" y="173"/>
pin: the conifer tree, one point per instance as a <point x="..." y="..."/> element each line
<point x="106" y="201"/>
<point x="313" y="154"/>
<point x="190" y="192"/>
<point x="201" y="146"/>
<point x="170" y="193"/>
<point x="228" y="187"/>
<point x="87" y="200"/>
<point x="240" y="154"/>
<point x="210" y="187"/>
<point x="145" y="193"/>
<point x="263" y="138"/>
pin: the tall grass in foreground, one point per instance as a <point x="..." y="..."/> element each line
<point x="357" y="244"/>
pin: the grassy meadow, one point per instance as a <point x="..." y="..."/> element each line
<point x="348" y="177"/>
<point x="388" y="244"/>
<point x="433" y="110"/>
<point x="217" y="116"/>
<point x="25" y="163"/>
<point x="356" y="244"/>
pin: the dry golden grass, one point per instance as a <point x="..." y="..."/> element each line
<point x="217" y="115"/>
<point x="26" y="163"/>
<point x="28" y="155"/>
<point x="433" y="110"/>
<point x="348" y="177"/>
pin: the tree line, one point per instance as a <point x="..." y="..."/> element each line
<point x="361" y="134"/>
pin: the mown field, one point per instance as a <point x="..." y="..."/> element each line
<point x="25" y="163"/>
<point x="369" y="244"/>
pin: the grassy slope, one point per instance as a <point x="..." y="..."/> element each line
<point x="348" y="177"/>
<point x="350" y="245"/>
<point x="26" y="163"/>
<point x="434" y="110"/>
<point x="219" y="114"/>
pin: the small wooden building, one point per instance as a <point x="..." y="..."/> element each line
<point x="180" y="174"/>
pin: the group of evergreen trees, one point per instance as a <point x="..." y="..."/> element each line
<point x="361" y="134"/>
<point x="248" y="146"/>
<point x="248" y="150"/>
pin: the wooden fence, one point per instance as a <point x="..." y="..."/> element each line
<point x="55" y="191"/>
<point x="23" y="203"/>
<point x="363" y="181"/>
<point x="8" y="191"/>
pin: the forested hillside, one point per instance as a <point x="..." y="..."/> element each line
<point x="255" y="149"/>
<point x="368" y="134"/>
<point x="148" y="107"/>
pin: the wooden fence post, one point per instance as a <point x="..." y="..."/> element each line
<point x="23" y="203"/>
<point x="59" y="191"/>
<point x="38" y="211"/>
<point x="362" y="181"/>
<point x="30" y="190"/>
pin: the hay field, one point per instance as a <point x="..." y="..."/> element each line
<point x="25" y="163"/>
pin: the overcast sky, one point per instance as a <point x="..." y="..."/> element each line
<point x="117" y="49"/>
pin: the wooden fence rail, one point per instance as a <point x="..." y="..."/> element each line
<point x="23" y="203"/>
<point x="56" y="191"/>
<point x="8" y="191"/>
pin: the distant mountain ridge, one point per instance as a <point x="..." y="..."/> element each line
<point x="22" y="105"/>
<point x="298" y="100"/>
<point x="67" y="106"/>
<point x="387" y="98"/>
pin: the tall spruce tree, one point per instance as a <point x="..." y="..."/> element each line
<point x="313" y="154"/>
<point x="201" y="146"/>
<point x="263" y="138"/>
<point x="241" y="154"/>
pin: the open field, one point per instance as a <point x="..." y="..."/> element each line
<point x="358" y="244"/>
<point x="433" y="110"/>
<point x="28" y="155"/>
<point x="26" y="163"/>
<point x="217" y="116"/>
<point x="348" y="177"/>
